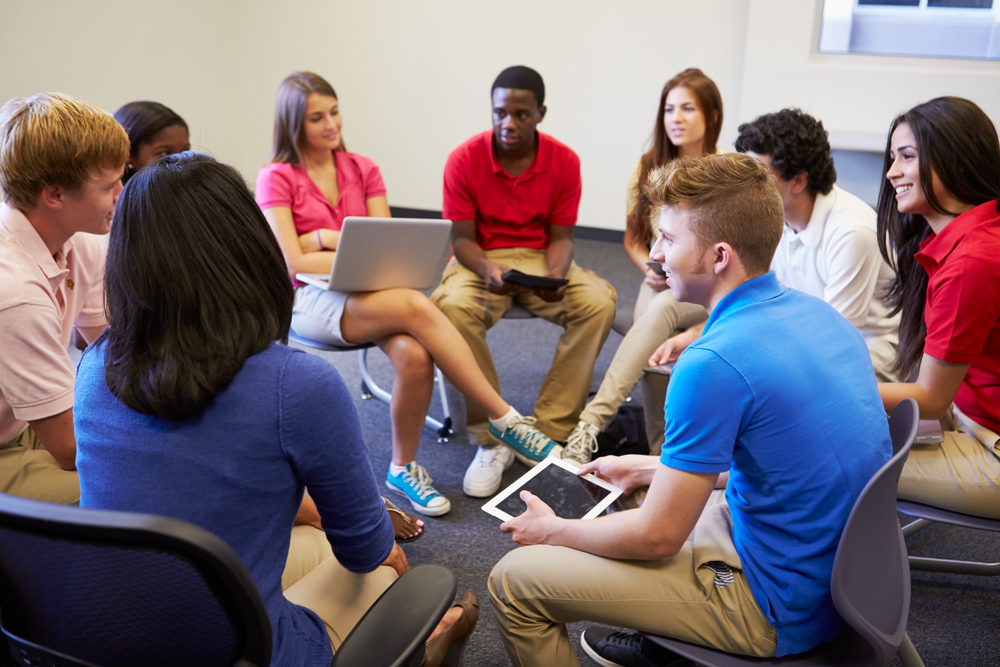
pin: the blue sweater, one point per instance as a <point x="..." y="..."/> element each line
<point x="238" y="470"/>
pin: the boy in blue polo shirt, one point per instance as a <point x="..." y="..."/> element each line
<point x="778" y="397"/>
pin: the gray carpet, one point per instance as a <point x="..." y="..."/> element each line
<point x="949" y="613"/>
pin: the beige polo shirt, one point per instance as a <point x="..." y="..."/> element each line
<point x="41" y="298"/>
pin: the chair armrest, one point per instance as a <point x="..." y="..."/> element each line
<point x="397" y="625"/>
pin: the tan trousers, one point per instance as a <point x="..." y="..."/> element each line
<point x="961" y="474"/>
<point x="29" y="471"/>
<point x="882" y="350"/>
<point x="535" y="591"/>
<point x="585" y="313"/>
<point x="314" y="579"/>
<point x="658" y="316"/>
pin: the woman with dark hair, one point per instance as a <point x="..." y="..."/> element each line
<point x="154" y="130"/>
<point x="187" y="407"/>
<point x="688" y="122"/>
<point x="939" y="225"/>
<point x="310" y="186"/>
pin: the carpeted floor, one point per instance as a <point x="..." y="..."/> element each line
<point x="949" y="613"/>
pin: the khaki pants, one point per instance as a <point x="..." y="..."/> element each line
<point x="535" y="591"/>
<point x="29" y="471"/>
<point x="961" y="474"/>
<point x="586" y="313"/>
<point x="658" y="316"/>
<point x="314" y="579"/>
<point x="882" y="350"/>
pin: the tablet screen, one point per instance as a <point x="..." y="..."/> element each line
<point x="569" y="495"/>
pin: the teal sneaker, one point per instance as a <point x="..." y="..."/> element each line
<point x="415" y="484"/>
<point x="529" y="444"/>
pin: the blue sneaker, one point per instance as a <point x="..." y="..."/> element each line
<point x="529" y="444"/>
<point x="415" y="484"/>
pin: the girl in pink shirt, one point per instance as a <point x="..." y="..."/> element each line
<point x="311" y="185"/>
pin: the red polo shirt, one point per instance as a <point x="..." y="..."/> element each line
<point x="512" y="212"/>
<point x="963" y="307"/>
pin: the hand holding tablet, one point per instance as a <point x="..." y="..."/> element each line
<point x="556" y="483"/>
<point x="533" y="282"/>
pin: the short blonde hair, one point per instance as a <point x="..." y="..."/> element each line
<point x="53" y="139"/>
<point x="731" y="198"/>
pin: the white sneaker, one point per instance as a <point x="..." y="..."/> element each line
<point x="582" y="443"/>
<point x="483" y="477"/>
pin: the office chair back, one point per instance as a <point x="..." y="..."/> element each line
<point x="116" y="589"/>
<point x="871" y="576"/>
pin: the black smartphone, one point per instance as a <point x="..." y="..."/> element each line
<point x="657" y="267"/>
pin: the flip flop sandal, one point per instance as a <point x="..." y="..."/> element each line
<point x="398" y="517"/>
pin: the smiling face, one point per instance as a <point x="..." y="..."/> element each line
<point x="904" y="175"/>
<point x="683" y="258"/>
<point x="90" y="208"/>
<point x="322" y="123"/>
<point x="169" y="140"/>
<point x="684" y="121"/>
<point x="515" y="115"/>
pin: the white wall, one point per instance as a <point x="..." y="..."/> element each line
<point x="414" y="77"/>
<point x="109" y="52"/>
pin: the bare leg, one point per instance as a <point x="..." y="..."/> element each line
<point x="375" y="315"/>
<point x="411" y="393"/>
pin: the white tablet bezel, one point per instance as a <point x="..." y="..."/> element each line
<point x="613" y="495"/>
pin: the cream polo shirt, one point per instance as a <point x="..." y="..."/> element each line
<point x="41" y="298"/>
<point x="836" y="258"/>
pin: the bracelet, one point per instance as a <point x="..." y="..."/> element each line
<point x="319" y="240"/>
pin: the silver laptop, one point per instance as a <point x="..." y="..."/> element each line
<point x="382" y="253"/>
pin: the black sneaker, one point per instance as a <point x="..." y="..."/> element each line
<point x="615" y="648"/>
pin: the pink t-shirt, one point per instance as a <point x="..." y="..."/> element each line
<point x="289" y="185"/>
<point x="41" y="298"/>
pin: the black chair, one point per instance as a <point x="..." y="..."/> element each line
<point x="870" y="582"/>
<point x="88" y="588"/>
<point x="394" y="629"/>
<point x="369" y="388"/>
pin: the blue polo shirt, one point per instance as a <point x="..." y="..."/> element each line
<point x="780" y="391"/>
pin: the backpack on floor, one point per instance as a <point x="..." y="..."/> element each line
<point x="626" y="434"/>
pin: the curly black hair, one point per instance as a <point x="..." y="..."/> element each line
<point x="795" y="142"/>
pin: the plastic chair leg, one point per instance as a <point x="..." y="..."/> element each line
<point x="908" y="653"/>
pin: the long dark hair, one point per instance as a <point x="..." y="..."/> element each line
<point x="290" y="112"/>
<point x="957" y="142"/>
<point x="637" y="228"/>
<point x="142" y="120"/>
<point x="195" y="284"/>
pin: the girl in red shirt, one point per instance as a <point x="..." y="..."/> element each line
<point x="939" y="227"/>
<point x="311" y="185"/>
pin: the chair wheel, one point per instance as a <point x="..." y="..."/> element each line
<point x="366" y="393"/>
<point x="445" y="431"/>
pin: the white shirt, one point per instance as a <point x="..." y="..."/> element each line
<point x="836" y="258"/>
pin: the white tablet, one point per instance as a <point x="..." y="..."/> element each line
<point x="556" y="483"/>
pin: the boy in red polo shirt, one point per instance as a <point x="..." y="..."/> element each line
<point x="513" y="193"/>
